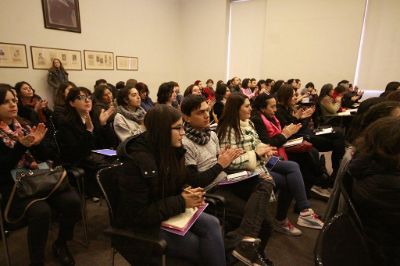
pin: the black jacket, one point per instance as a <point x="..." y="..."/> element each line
<point x="276" y="141"/>
<point x="140" y="206"/>
<point x="376" y="195"/>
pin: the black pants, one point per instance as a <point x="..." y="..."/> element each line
<point x="67" y="205"/>
<point x="249" y="200"/>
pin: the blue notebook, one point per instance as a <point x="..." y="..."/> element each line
<point x="106" y="152"/>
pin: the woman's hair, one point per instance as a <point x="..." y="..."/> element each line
<point x="245" y="83"/>
<point x="393" y="96"/>
<point x="285" y="93"/>
<point x="375" y="112"/>
<point x="71" y="114"/>
<point x="340" y="89"/>
<point x="260" y="82"/>
<point x="19" y="85"/>
<point x="277" y="85"/>
<point x="189" y="90"/>
<point x="120" y="85"/>
<point x="4" y="88"/>
<point x="99" y="92"/>
<point x="325" y="91"/>
<point x="310" y="85"/>
<point x="158" y="122"/>
<point x="392" y="86"/>
<point x="268" y="81"/>
<point x="381" y="141"/>
<point x="164" y="92"/>
<point x="141" y="87"/>
<point x="123" y="96"/>
<point x="61" y="65"/>
<point x="230" y="119"/>
<point x="220" y="92"/>
<point x="210" y="80"/>
<point x="60" y="97"/>
<point x="260" y="102"/>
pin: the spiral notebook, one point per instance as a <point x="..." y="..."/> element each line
<point x="181" y="223"/>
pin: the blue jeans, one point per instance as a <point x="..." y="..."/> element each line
<point x="203" y="243"/>
<point x="289" y="182"/>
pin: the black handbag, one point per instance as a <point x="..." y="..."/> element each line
<point x="38" y="184"/>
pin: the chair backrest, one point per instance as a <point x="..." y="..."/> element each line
<point x="107" y="178"/>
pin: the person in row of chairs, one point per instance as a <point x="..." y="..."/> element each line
<point x="19" y="147"/>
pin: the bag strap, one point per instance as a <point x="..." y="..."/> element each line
<point x="8" y="206"/>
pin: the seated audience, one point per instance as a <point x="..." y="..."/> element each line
<point x="19" y="146"/>
<point x="104" y="102"/>
<point x="246" y="201"/>
<point x="235" y="130"/>
<point x="375" y="172"/>
<point x="328" y="104"/>
<point x="221" y="94"/>
<point x="146" y="102"/>
<point x="166" y="93"/>
<point x="148" y="199"/>
<point x="277" y="85"/>
<point x="391" y="86"/>
<point x="192" y="89"/>
<point x="246" y="89"/>
<point x="209" y="90"/>
<point x="59" y="102"/>
<point x="129" y="118"/>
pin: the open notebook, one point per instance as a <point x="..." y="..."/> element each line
<point x="181" y="223"/>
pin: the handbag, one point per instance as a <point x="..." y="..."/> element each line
<point x="39" y="184"/>
<point x="305" y="146"/>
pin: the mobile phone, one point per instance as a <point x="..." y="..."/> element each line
<point x="272" y="162"/>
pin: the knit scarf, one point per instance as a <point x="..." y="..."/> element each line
<point x="201" y="137"/>
<point x="10" y="138"/>
<point x="137" y="116"/>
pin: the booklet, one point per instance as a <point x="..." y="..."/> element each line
<point x="237" y="177"/>
<point x="323" y="131"/>
<point x="293" y="142"/>
<point x="181" y="223"/>
<point x="106" y="152"/>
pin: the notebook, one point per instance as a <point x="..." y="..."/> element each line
<point x="323" y="131"/>
<point x="293" y="142"/>
<point x="181" y="223"/>
<point x="106" y="152"/>
<point x="237" y="177"/>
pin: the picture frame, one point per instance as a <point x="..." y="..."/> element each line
<point x="13" y="55"/>
<point x="62" y="15"/>
<point x="127" y="63"/>
<point x="98" y="60"/>
<point x="42" y="58"/>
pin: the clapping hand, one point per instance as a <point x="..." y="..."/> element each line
<point x="105" y="115"/>
<point x="226" y="156"/>
<point x="35" y="137"/>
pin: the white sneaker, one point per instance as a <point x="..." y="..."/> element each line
<point x="325" y="193"/>
<point x="309" y="219"/>
<point x="287" y="228"/>
<point x="95" y="199"/>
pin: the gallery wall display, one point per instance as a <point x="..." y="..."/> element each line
<point x="62" y="15"/>
<point x="42" y="58"/>
<point x="127" y="63"/>
<point x="13" y="55"/>
<point x="98" y="60"/>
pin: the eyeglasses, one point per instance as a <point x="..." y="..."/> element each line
<point x="84" y="97"/>
<point x="179" y="128"/>
<point x="10" y="101"/>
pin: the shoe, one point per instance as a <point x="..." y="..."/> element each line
<point x="287" y="228"/>
<point x="321" y="192"/>
<point x="95" y="199"/>
<point x="62" y="253"/>
<point x="247" y="253"/>
<point x="310" y="219"/>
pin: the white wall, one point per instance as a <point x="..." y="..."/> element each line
<point x="380" y="58"/>
<point x="203" y="41"/>
<point x="147" y="29"/>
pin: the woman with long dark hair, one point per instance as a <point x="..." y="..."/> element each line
<point x="57" y="75"/>
<point x="152" y="189"/>
<point x="237" y="131"/>
<point x="59" y="102"/>
<point x="221" y="94"/>
<point x="20" y="146"/>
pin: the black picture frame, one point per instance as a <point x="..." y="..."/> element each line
<point x="62" y="15"/>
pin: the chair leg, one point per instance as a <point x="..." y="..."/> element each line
<point x="164" y="260"/>
<point x="113" y="251"/>
<point x="3" y="236"/>
<point x="81" y="190"/>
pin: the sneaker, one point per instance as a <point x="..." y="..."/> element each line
<point x="287" y="228"/>
<point x="310" y="219"/>
<point x="247" y="253"/>
<point x="322" y="192"/>
<point x="95" y="199"/>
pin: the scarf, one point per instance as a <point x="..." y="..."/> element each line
<point x="274" y="129"/>
<point x="201" y="137"/>
<point x="10" y="138"/>
<point x="137" y="116"/>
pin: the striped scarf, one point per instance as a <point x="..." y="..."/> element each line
<point x="201" y="137"/>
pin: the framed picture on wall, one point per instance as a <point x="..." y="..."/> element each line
<point x="127" y="63"/>
<point x="13" y="55"/>
<point x="62" y="15"/>
<point x="42" y="58"/>
<point x="98" y="60"/>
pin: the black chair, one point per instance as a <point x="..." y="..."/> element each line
<point x="342" y="240"/>
<point x="3" y="234"/>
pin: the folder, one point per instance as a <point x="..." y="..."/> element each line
<point x="293" y="142"/>
<point x="106" y="152"/>
<point x="181" y="223"/>
<point x="237" y="177"/>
